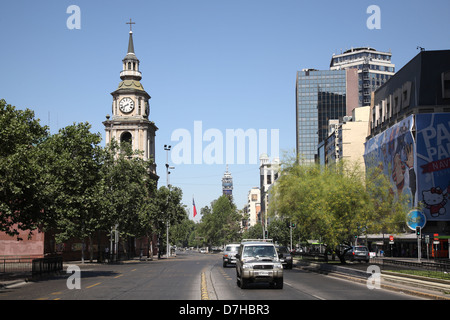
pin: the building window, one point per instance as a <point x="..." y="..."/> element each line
<point x="126" y="137"/>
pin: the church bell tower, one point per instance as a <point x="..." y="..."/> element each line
<point x="131" y="109"/>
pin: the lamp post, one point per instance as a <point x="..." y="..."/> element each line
<point x="167" y="149"/>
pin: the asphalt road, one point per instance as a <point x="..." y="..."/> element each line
<point x="180" y="278"/>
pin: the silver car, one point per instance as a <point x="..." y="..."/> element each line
<point x="258" y="262"/>
<point x="229" y="254"/>
<point x="360" y="253"/>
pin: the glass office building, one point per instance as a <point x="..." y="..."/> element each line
<point x="321" y="95"/>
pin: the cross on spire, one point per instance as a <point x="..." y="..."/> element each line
<point x="130" y="23"/>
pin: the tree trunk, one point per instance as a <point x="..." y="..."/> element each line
<point x="91" y="250"/>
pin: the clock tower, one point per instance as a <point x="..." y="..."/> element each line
<point x="131" y="110"/>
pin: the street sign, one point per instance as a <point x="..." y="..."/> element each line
<point x="416" y="218"/>
<point x="391" y="238"/>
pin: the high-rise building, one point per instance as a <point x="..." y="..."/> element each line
<point x="374" y="69"/>
<point x="321" y="95"/>
<point x="253" y="208"/>
<point x="227" y="183"/>
<point x="269" y="172"/>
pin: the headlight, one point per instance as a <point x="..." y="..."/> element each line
<point x="246" y="266"/>
<point x="278" y="266"/>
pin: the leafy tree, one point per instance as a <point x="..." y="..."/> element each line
<point x="221" y="224"/>
<point x="20" y="201"/>
<point x="180" y="233"/>
<point x="129" y="191"/>
<point x="335" y="203"/>
<point x="278" y="231"/>
<point x="73" y="182"/>
<point x="254" y="232"/>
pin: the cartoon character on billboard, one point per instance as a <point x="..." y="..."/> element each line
<point x="435" y="200"/>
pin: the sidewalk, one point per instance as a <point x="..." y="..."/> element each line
<point x="414" y="285"/>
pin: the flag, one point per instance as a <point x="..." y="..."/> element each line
<point x="195" y="210"/>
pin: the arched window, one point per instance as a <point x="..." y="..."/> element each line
<point x="126" y="137"/>
<point x="129" y="65"/>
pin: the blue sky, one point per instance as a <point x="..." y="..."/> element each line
<point x="230" y="64"/>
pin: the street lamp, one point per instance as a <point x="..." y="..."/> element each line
<point x="167" y="149"/>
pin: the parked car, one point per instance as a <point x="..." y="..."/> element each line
<point x="360" y="253"/>
<point x="229" y="254"/>
<point x="285" y="257"/>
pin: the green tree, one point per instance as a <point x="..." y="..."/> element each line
<point x="221" y="224"/>
<point x="129" y="191"/>
<point x="73" y="182"/>
<point x="335" y="203"/>
<point x="21" y="203"/>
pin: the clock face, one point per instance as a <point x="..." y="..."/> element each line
<point x="126" y="105"/>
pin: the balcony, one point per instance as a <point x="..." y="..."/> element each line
<point x="131" y="73"/>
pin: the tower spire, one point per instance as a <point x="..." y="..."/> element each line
<point x="130" y="41"/>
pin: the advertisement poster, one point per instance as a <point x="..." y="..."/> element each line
<point x="433" y="164"/>
<point x="394" y="152"/>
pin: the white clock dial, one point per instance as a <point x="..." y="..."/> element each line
<point x="126" y="105"/>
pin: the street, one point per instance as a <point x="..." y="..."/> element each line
<point x="180" y="278"/>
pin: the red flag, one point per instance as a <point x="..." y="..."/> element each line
<point x="195" y="210"/>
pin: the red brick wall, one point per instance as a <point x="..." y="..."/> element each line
<point x="10" y="246"/>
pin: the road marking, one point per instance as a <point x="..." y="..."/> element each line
<point x="133" y="270"/>
<point x="204" y="289"/>
<point x="313" y="295"/>
<point x="55" y="293"/>
<point x="95" y="284"/>
<point x="120" y="275"/>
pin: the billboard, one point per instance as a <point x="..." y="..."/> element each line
<point x="394" y="152"/>
<point x="433" y="163"/>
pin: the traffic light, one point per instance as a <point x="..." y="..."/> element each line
<point x="418" y="230"/>
<point x="293" y="225"/>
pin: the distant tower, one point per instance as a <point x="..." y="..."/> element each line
<point x="227" y="183"/>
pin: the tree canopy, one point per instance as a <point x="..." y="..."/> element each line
<point x="334" y="204"/>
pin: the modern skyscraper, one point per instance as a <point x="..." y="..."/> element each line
<point x="321" y="95"/>
<point x="374" y="69"/>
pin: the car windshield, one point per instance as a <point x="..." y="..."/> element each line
<point x="231" y="248"/>
<point x="259" y="251"/>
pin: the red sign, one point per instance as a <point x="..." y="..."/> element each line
<point x="391" y="238"/>
<point x="435" y="236"/>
